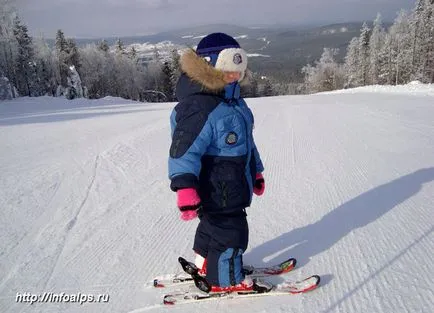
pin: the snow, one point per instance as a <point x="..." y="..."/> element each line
<point x="414" y="87"/>
<point x="200" y="37"/>
<point x="257" y="55"/>
<point x="147" y="50"/>
<point x="86" y="206"/>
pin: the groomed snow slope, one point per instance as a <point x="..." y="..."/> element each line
<point x="86" y="206"/>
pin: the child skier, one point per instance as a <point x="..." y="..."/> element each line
<point x="214" y="165"/>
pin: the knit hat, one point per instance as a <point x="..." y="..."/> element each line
<point x="223" y="52"/>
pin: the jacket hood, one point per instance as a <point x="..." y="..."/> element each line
<point x="199" y="71"/>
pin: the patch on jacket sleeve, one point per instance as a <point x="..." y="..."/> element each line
<point x="231" y="138"/>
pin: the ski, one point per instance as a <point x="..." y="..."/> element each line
<point x="285" y="288"/>
<point x="183" y="278"/>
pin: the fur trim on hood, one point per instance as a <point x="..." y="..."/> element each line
<point x="200" y="71"/>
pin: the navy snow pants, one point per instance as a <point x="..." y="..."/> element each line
<point x="222" y="240"/>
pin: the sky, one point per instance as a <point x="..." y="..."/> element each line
<point x="96" y="18"/>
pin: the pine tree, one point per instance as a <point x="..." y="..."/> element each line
<point x="267" y="89"/>
<point x="429" y="63"/>
<point x="72" y="54"/>
<point x="175" y="68"/>
<point x="45" y="68"/>
<point x="62" y="55"/>
<point x="417" y="25"/>
<point x="8" y="44"/>
<point x="103" y="46"/>
<point x="326" y="75"/>
<point x="132" y="54"/>
<point x="24" y="65"/>
<point x="426" y="30"/>
<point x="385" y="61"/>
<point x="120" y="47"/>
<point x="61" y="43"/>
<point x="375" y="43"/>
<point x="167" y="83"/>
<point x="365" y="34"/>
<point x="353" y="77"/>
<point x="401" y="48"/>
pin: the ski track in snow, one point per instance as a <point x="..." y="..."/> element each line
<point x="86" y="205"/>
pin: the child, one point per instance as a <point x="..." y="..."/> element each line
<point x="214" y="165"/>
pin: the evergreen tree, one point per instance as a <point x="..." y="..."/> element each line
<point x="103" y="46"/>
<point x="132" y="54"/>
<point x="175" y="68"/>
<point x="62" y="56"/>
<point x="417" y="25"/>
<point x="249" y="86"/>
<point x="424" y="69"/>
<point x="24" y="65"/>
<point x="385" y="61"/>
<point x="267" y="89"/>
<point x="365" y="34"/>
<point x="72" y="54"/>
<point x="45" y="68"/>
<point x="120" y="47"/>
<point x="167" y="83"/>
<point x="326" y="75"/>
<point x="375" y="43"/>
<point x="353" y="77"/>
<point x="401" y="49"/>
<point x="8" y="44"/>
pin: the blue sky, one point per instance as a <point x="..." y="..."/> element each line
<point x="95" y="18"/>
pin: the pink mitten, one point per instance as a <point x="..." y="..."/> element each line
<point x="188" y="203"/>
<point x="188" y="215"/>
<point x="259" y="186"/>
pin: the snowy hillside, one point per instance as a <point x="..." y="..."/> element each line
<point x="86" y="206"/>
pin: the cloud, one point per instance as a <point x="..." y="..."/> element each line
<point x="135" y="17"/>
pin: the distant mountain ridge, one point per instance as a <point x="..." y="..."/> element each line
<point x="279" y="52"/>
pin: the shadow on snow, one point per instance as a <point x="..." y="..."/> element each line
<point x="308" y="241"/>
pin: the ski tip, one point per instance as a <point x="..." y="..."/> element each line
<point x="157" y="284"/>
<point x="316" y="277"/>
<point x="305" y="285"/>
<point x="168" y="301"/>
<point x="289" y="265"/>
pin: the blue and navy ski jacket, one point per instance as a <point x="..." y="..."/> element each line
<point x="212" y="147"/>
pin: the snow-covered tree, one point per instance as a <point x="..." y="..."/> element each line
<point x="352" y="73"/>
<point x="61" y="50"/>
<point x="401" y="48"/>
<point x="120" y="47"/>
<point x="175" y="70"/>
<point x="326" y="75"/>
<point x="75" y="88"/>
<point x="418" y="31"/>
<point x="8" y="44"/>
<point x="385" y="61"/>
<point x="132" y="54"/>
<point x="97" y="71"/>
<point x="422" y="24"/>
<point x="24" y="66"/>
<point x="250" y="89"/>
<point x="375" y="43"/>
<point x="364" y="62"/>
<point x="6" y="89"/>
<point x="45" y="65"/>
<point x="72" y="55"/>
<point x="103" y="46"/>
